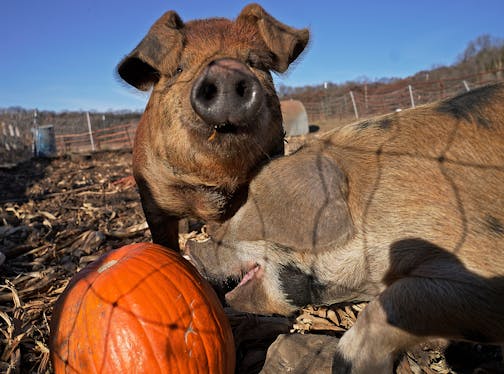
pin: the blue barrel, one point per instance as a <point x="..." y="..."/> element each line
<point x="45" y="141"/>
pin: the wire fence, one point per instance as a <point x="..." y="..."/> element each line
<point x="114" y="137"/>
<point x="72" y="132"/>
<point x="359" y="103"/>
<point x="87" y="132"/>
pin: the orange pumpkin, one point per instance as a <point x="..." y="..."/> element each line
<point x="144" y="309"/>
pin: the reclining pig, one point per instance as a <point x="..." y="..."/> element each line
<point x="405" y="211"/>
<point x="213" y="115"/>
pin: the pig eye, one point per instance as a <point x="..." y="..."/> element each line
<point x="177" y="71"/>
<point x="254" y="61"/>
<point x="250" y="62"/>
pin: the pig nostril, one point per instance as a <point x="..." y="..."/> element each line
<point x="241" y="88"/>
<point x="208" y="92"/>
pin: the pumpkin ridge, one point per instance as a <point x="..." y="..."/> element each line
<point x="146" y="336"/>
<point x="57" y="340"/>
<point x="203" y="290"/>
<point x="201" y="333"/>
<point x="217" y="317"/>
<point x="81" y="291"/>
<point x="208" y="294"/>
<point x="155" y="301"/>
<point x="218" y="333"/>
<point x="190" y="274"/>
<point x="104" y="342"/>
<point x="162" y="269"/>
<point x="197" y="344"/>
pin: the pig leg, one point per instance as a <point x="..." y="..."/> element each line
<point x="163" y="226"/>
<point x="414" y="309"/>
<point x="164" y="229"/>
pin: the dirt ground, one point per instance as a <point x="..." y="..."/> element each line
<point x="58" y="215"/>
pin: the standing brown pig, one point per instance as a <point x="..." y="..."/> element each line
<point x="405" y="211"/>
<point x="213" y="116"/>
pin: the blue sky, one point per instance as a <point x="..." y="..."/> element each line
<point x="61" y="54"/>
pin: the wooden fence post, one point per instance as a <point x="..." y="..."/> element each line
<point x="90" y="132"/>
<point x="354" y="105"/>
<point x="411" y="96"/>
<point x="126" y="129"/>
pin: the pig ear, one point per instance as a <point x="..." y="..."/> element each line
<point x="156" y="54"/>
<point x="286" y="43"/>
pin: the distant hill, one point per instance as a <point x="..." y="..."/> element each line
<point x="484" y="54"/>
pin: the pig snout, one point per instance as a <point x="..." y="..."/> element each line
<point x="255" y="275"/>
<point x="227" y="94"/>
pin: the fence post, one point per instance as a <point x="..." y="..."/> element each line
<point x="354" y="105"/>
<point x="90" y="131"/>
<point x="34" y="133"/>
<point x="441" y="89"/>
<point x="411" y="96"/>
<point x="324" y="103"/>
<point x="126" y="130"/>
<point x="365" y="97"/>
